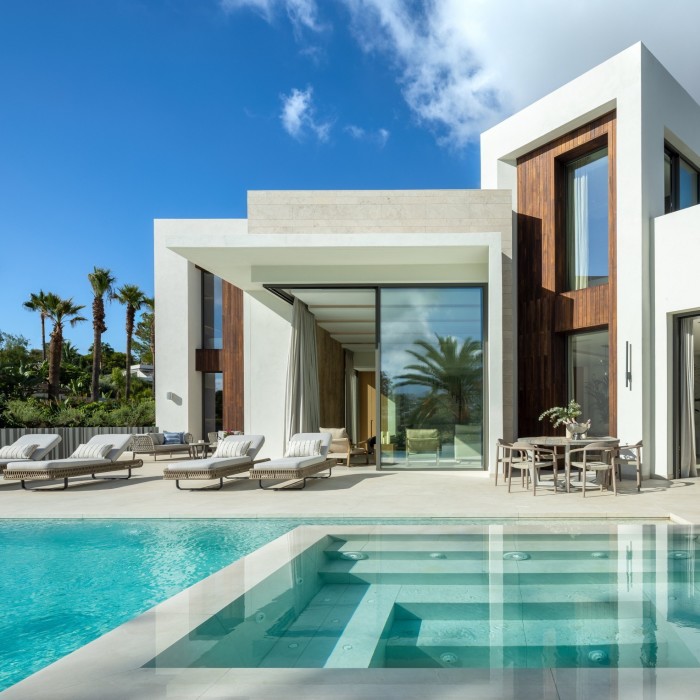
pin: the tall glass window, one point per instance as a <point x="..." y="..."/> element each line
<point x="587" y="220"/>
<point x="588" y="378"/>
<point x="681" y="182"/>
<point x="212" y="402"/>
<point x="212" y="315"/>
<point x="431" y="377"/>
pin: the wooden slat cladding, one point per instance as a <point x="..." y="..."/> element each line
<point x="584" y="308"/>
<point x="547" y="311"/>
<point x="232" y="356"/>
<point x="331" y="380"/>
<point x="207" y="360"/>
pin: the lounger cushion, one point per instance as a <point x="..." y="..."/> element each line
<point x="303" y="448"/>
<point x="290" y="463"/>
<point x="232" y="448"/>
<point x="91" y="451"/>
<point x="203" y="465"/>
<point x="10" y="452"/>
<point x="58" y="464"/>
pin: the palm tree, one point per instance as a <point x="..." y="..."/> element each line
<point x="133" y="298"/>
<point x="37" y="302"/>
<point x="59" y="311"/>
<point x="102" y="282"/>
<point x="452" y="373"/>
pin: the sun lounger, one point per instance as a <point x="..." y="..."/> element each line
<point x="44" y="442"/>
<point x="90" y="458"/>
<point x="301" y="462"/>
<point x="217" y="466"/>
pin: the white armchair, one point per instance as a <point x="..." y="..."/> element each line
<point x="341" y="448"/>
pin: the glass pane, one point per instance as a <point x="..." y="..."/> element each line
<point x="212" y="315"/>
<point x="212" y="401"/>
<point x="668" y="186"/>
<point x="587" y="220"/>
<point x="588" y="378"/>
<point x="431" y="377"/>
<point x="688" y="189"/>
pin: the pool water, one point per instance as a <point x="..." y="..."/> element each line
<point x="64" y="583"/>
<point x="494" y="596"/>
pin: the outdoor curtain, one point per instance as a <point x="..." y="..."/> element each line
<point x="302" y="402"/>
<point x="687" y="396"/>
<point x="351" y="405"/>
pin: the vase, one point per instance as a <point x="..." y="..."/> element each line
<point x="576" y="430"/>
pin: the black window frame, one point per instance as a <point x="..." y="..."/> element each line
<point x="672" y="203"/>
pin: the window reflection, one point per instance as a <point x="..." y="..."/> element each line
<point x="212" y="314"/>
<point x="212" y="401"/>
<point x="431" y="377"/>
<point x="588" y="378"/>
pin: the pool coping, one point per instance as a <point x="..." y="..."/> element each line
<point x="114" y="662"/>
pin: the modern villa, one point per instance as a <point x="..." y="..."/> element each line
<point x="569" y="274"/>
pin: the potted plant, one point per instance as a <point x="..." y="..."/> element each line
<point x="568" y="415"/>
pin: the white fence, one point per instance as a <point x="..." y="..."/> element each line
<point x="70" y="437"/>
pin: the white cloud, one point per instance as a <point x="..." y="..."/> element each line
<point x="379" y="137"/>
<point x="465" y="64"/>
<point x="303" y="14"/>
<point x="299" y="116"/>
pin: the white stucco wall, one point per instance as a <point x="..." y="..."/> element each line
<point x="178" y="332"/>
<point x="267" y="331"/>
<point x="676" y="241"/>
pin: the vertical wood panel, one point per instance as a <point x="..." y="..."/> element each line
<point x="331" y="380"/>
<point x="546" y="309"/>
<point x="232" y="357"/>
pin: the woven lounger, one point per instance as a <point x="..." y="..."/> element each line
<point x="218" y="467"/>
<point x="300" y="474"/>
<point x="29" y="473"/>
<point x="189" y="470"/>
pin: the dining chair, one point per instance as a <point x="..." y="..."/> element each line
<point x="596" y="457"/>
<point x="529" y="460"/>
<point x="628" y="455"/>
<point x="503" y="450"/>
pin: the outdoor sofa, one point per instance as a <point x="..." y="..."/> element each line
<point x="98" y="455"/>
<point x="165" y="443"/>
<point x="305" y="457"/>
<point x="234" y="454"/>
<point x="31" y="447"/>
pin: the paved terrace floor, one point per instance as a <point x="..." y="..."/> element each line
<point x="357" y="491"/>
<point x="111" y="667"/>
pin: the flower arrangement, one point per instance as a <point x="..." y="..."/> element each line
<point x="562" y="414"/>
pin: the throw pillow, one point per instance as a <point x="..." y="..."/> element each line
<point x="232" y="448"/>
<point x="96" y="451"/>
<point x="173" y="438"/>
<point x="17" y="451"/>
<point x="303" y="448"/>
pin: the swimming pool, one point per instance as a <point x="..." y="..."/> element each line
<point x="490" y="597"/>
<point x="66" y="582"/>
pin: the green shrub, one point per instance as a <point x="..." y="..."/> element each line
<point x="27" y="414"/>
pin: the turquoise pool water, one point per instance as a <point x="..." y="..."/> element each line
<point x="63" y="583"/>
<point x="496" y="596"/>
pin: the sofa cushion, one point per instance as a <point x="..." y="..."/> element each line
<point x="173" y="438"/>
<point x="336" y="433"/>
<point x="157" y="438"/>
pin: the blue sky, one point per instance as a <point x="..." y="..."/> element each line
<point x="116" y="113"/>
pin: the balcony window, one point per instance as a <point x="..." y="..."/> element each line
<point x="587" y="220"/>
<point x="681" y="182"/>
<point x="212" y="338"/>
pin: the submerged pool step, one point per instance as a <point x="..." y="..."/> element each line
<point x="529" y="643"/>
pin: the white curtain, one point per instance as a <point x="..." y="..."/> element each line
<point x="351" y="404"/>
<point x="580" y="249"/>
<point x="302" y="402"/>
<point x="687" y="396"/>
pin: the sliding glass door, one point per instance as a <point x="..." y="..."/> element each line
<point x="431" y="377"/>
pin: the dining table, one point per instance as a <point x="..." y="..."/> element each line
<point x="557" y="442"/>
